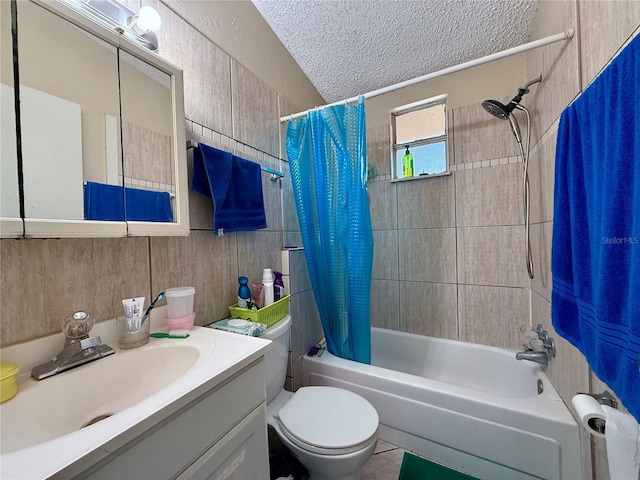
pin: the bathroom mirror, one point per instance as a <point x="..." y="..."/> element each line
<point x="102" y="126"/>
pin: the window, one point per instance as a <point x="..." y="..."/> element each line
<point x="421" y="129"/>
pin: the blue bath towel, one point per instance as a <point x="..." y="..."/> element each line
<point x="105" y="202"/>
<point x="595" y="258"/>
<point x="234" y="184"/>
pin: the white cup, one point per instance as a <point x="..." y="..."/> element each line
<point x="180" y="301"/>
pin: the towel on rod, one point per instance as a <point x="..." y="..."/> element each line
<point x="595" y="258"/>
<point x="107" y="203"/>
<point x="235" y="186"/>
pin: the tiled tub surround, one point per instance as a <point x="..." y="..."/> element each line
<point x="450" y="248"/>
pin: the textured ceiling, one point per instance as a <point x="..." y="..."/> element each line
<point x="349" y="47"/>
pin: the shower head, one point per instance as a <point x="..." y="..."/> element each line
<point x="501" y="111"/>
<point x="497" y="109"/>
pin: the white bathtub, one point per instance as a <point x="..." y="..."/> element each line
<point x="472" y="407"/>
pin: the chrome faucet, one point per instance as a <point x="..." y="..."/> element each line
<point x="539" y="349"/>
<point x="78" y="349"/>
<point x="534" y="356"/>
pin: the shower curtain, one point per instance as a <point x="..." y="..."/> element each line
<point x="328" y="161"/>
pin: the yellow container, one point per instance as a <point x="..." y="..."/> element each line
<point x="8" y="381"/>
<point x="268" y="315"/>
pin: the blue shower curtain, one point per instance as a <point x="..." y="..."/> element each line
<point x="328" y="160"/>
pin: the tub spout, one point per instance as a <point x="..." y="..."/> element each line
<point x="537" y="356"/>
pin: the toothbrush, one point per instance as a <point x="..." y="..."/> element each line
<point x="171" y="334"/>
<point x="159" y="298"/>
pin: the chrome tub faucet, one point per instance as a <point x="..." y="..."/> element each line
<point x="539" y="349"/>
<point x="79" y="348"/>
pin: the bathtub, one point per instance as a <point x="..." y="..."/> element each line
<point x="472" y="407"/>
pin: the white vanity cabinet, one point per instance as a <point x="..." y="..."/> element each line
<point x="220" y="435"/>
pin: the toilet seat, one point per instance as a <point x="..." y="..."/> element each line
<point x="328" y="420"/>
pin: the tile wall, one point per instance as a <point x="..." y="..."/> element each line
<point x="449" y="250"/>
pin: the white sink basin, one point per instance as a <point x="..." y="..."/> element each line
<point x="62" y="425"/>
<point x="53" y="407"/>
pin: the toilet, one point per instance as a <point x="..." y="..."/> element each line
<point x="331" y="431"/>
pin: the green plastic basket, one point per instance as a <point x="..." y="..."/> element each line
<point x="268" y="315"/>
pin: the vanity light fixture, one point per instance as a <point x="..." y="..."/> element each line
<point x="139" y="28"/>
<point x="147" y="20"/>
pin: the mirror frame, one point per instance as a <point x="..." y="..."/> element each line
<point x="60" y="228"/>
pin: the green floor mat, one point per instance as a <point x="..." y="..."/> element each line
<point x="417" y="468"/>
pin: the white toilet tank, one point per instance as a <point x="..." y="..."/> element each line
<point x="275" y="360"/>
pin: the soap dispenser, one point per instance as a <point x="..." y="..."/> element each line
<point x="407" y="164"/>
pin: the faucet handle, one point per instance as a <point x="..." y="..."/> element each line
<point x="77" y="326"/>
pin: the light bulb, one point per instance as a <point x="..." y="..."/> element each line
<point x="147" y="19"/>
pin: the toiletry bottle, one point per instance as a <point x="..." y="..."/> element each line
<point x="278" y="286"/>
<point x="267" y="286"/>
<point x="244" y="294"/>
<point x="407" y="164"/>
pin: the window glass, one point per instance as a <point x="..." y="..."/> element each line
<point x="419" y="133"/>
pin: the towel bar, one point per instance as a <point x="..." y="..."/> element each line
<point x="275" y="174"/>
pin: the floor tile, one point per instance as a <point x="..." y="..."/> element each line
<point x="384" y="464"/>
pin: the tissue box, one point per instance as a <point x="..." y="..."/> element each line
<point x="242" y="327"/>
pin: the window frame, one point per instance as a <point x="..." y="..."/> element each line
<point x="412" y="107"/>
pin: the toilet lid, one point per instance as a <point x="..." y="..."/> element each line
<point x="328" y="420"/>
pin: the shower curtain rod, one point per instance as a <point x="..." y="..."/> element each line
<point x="566" y="35"/>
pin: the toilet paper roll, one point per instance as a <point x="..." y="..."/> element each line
<point x="590" y="413"/>
<point x="623" y="444"/>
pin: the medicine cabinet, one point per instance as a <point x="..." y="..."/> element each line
<point x="101" y="122"/>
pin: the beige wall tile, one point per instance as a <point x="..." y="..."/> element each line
<point x="172" y="38"/>
<point x="292" y="239"/>
<point x="257" y="250"/>
<point x="541" y="176"/>
<point x="427" y="255"/>
<point x="604" y="27"/>
<point x="426" y="203"/>
<point x="385" y="254"/>
<point x="204" y="261"/>
<point x="385" y="304"/>
<point x="214" y="94"/>
<point x="290" y="215"/>
<point x="429" y="309"/>
<point x="306" y="328"/>
<point x="43" y="281"/>
<point x="271" y="195"/>
<point x="492" y="256"/>
<point x="492" y="315"/>
<point x="568" y="371"/>
<point x="480" y="136"/>
<point x="379" y="150"/>
<point x="557" y="62"/>
<point x="299" y="275"/>
<point x="383" y="205"/>
<point x="540" y="235"/>
<point x="255" y="111"/>
<point x="489" y="196"/>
